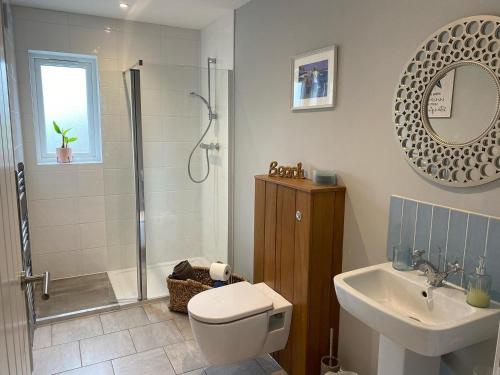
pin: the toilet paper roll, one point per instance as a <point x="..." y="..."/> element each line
<point x="220" y="271"/>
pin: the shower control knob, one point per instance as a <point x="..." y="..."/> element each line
<point x="298" y="215"/>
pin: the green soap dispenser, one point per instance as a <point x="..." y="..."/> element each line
<point x="479" y="285"/>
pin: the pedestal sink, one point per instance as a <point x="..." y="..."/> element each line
<point x="417" y="323"/>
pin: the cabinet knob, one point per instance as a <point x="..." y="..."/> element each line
<point x="298" y="216"/>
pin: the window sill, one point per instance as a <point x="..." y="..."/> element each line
<point x="74" y="162"/>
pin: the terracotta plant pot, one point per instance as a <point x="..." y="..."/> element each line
<point x="64" y="155"/>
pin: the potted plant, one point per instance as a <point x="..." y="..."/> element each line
<point x="64" y="153"/>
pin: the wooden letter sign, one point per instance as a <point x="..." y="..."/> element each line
<point x="283" y="171"/>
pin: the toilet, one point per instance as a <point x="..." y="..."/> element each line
<point x="239" y="321"/>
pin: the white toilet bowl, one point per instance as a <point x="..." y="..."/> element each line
<point x="239" y="321"/>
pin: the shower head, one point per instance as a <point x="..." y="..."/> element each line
<point x="192" y="93"/>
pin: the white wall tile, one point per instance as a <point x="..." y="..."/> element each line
<point x="91" y="209"/>
<point x="93" y="235"/>
<point x="61" y="184"/>
<point x="119" y="181"/>
<point x="120" y="207"/>
<point x="121" y="256"/>
<point x="152" y="128"/>
<point x="53" y="212"/>
<point x="93" y="22"/>
<point x="93" y="41"/>
<point x="59" y="265"/>
<point x="180" y="51"/>
<point x="50" y="239"/>
<point x="41" y="36"/>
<point x="116" y="128"/>
<point x="120" y="232"/>
<point x="93" y="260"/>
<point x="91" y="182"/>
<point x="152" y="102"/>
<point x="117" y="155"/>
<point x="39" y="15"/>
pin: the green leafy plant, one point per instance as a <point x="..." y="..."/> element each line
<point x="64" y="134"/>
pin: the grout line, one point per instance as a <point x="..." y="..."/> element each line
<point x="430" y="234"/>
<point x="132" y="339"/>
<point x="415" y="228"/>
<point x="446" y="248"/>
<point x="465" y="250"/>
<point x="80" y="352"/>
<point x="487" y="235"/>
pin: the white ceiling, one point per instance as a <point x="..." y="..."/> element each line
<point x="194" y="14"/>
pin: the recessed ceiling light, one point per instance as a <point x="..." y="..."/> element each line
<point x="124" y="5"/>
<point x="108" y="29"/>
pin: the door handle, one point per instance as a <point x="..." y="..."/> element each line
<point x="44" y="278"/>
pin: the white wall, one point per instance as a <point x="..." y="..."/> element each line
<point x="217" y="40"/>
<point x="356" y="139"/>
<point x="83" y="216"/>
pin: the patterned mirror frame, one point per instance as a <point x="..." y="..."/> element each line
<point x="468" y="41"/>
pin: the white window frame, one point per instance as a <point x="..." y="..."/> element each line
<point x="88" y="62"/>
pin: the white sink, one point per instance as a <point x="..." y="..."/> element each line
<point x="411" y="315"/>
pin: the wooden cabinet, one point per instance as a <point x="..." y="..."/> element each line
<point x="297" y="250"/>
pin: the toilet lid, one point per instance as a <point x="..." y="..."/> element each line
<point x="228" y="303"/>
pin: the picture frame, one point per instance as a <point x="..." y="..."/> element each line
<point x="313" y="79"/>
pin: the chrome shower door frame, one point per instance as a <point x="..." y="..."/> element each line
<point x="136" y="119"/>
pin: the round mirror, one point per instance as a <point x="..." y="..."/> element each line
<point x="462" y="104"/>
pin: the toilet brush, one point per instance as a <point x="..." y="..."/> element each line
<point x="331" y="346"/>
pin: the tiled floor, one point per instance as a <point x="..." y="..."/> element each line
<point x="145" y="340"/>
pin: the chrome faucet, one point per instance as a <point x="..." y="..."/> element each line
<point x="434" y="277"/>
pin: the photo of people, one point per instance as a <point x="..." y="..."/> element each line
<point x="313" y="79"/>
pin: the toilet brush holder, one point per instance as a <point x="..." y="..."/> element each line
<point x="329" y="364"/>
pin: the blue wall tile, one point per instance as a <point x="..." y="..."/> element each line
<point x="476" y="242"/>
<point x="439" y="235"/>
<point x="447" y="235"/>
<point x="423" y="227"/>
<point x="394" y="233"/>
<point x="456" y="241"/>
<point x="493" y="256"/>
<point x="408" y="223"/>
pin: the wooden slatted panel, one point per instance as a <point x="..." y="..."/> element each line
<point x="270" y="235"/>
<point x="300" y="316"/>
<point x="320" y="278"/>
<point x="336" y="267"/>
<point x="259" y="231"/>
<point x="285" y="246"/>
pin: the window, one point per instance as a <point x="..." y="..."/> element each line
<point x="65" y="89"/>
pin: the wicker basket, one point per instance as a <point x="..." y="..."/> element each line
<point x="181" y="291"/>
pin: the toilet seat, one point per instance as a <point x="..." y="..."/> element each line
<point x="229" y="303"/>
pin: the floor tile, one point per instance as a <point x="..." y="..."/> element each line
<point x="158" y="312"/>
<point x="103" y="368"/>
<point x="195" y="372"/>
<point x="106" y="347"/>
<point x="185" y="356"/>
<point x="76" y="329"/>
<point x="243" y="368"/>
<point x="42" y="337"/>
<point x="56" y="359"/>
<point x="155" y="335"/>
<point x="124" y="319"/>
<point x="268" y="364"/>
<point x="151" y="362"/>
<point x="182" y="322"/>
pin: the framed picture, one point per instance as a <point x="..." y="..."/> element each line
<point x="314" y="79"/>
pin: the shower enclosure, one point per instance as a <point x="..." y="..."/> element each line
<point x="175" y="217"/>
<point x="155" y="215"/>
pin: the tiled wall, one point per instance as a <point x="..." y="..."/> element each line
<point x="82" y="216"/>
<point x="446" y="235"/>
<point x="15" y="112"/>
